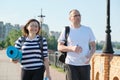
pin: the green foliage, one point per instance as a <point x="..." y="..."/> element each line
<point x="99" y="46"/>
<point x="15" y="34"/>
<point x="118" y="46"/>
<point x="2" y="43"/>
<point x="58" y="69"/>
<point x="7" y="42"/>
<point x="52" y="43"/>
<point x="43" y="33"/>
<point x="12" y="37"/>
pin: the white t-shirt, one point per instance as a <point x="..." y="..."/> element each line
<point x="78" y="37"/>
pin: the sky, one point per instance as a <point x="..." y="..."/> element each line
<point x="57" y="14"/>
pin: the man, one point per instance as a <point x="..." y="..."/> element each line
<point x="81" y="46"/>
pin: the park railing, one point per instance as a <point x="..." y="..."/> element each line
<point x="53" y="57"/>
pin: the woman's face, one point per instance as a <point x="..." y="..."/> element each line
<point x="33" y="28"/>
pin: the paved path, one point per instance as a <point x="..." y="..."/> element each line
<point x="10" y="71"/>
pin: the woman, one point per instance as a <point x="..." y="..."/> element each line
<point x="34" y="61"/>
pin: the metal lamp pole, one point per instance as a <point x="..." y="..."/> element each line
<point x="108" y="46"/>
<point x="41" y="20"/>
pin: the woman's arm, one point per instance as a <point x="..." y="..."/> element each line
<point x="46" y="63"/>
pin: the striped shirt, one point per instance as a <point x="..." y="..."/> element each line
<point x="32" y="58"/>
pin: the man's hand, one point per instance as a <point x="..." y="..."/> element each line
<point x="77" y="49"/>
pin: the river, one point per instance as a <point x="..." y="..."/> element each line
<point x="116" y="51"/>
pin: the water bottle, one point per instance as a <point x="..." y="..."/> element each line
<point x="46" y="78"/>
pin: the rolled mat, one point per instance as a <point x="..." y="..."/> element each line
<point x="13" y="53"/>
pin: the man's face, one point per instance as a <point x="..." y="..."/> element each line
<point x="75" y="17"/>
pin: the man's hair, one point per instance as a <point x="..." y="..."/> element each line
<point x="74" y="10"/>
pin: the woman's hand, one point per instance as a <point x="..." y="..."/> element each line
<point x="49" y="77"/>
<point x="14" y="61"/>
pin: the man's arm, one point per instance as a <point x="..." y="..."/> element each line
<point x="92" y="51"/>
<point x="93" y="48"/>
<point x="63" y="48"/>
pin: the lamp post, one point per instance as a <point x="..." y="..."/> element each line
<point x="41" y="20"/>
<point x="108" y="46"/>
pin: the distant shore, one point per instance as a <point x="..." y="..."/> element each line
<point x="116" y="51"/>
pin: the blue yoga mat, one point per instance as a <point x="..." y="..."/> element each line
<point x="13" y="53"/>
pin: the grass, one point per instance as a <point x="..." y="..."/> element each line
<point x="58" y="68"/>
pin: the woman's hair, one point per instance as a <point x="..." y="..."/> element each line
<point x="25" y="31"/>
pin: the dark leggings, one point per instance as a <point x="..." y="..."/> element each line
<point x="78" y="72"/>
<point x="36" y="74"/>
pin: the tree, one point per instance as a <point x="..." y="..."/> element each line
<point x="15" y="34"/>
<point x="118" y="46"/>
<point x="12" y="37"/>
<point x="7" y="42"/>
<point x="44" y="34"/>
<point x="2" y="43"/>
<point x="52" y="43"/>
